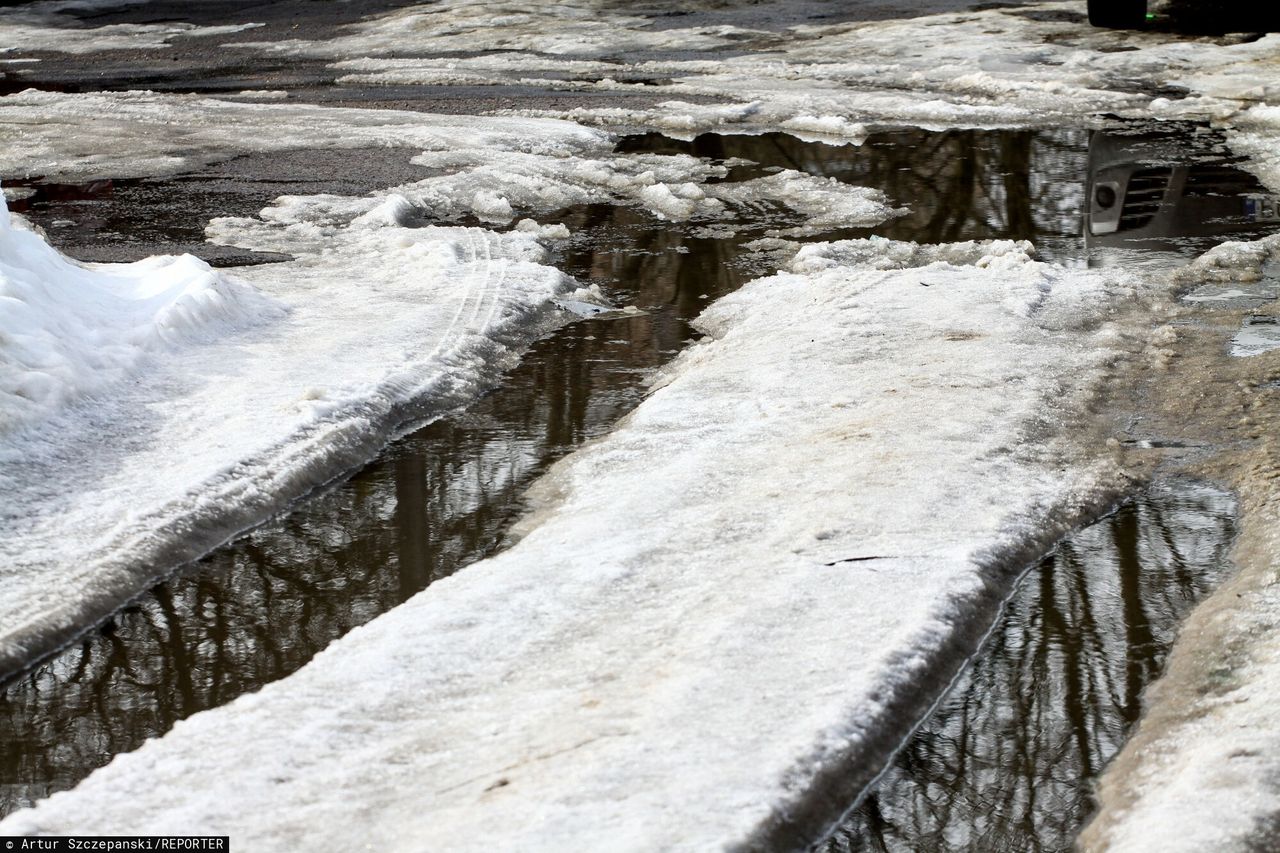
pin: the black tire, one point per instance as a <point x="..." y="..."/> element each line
<point x="1118" y="14"/>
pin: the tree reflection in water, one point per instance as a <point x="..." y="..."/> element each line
<point x="258" y="609"/>
<point x="441" y="498"/>
<point x="1007" y="759"/>
<point x="958" y="184"/>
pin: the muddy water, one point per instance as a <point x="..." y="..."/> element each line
<point x="1007" y="759"/>
<point x="443" y="497"/>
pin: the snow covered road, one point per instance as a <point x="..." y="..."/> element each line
<point x="686" y="648"/>
<point x="721" y="618"/>
<point x="381" y="322"/>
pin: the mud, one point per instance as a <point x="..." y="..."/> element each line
<point x="1230" y="408"/>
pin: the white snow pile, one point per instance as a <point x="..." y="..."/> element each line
<point x="497" y="187"/>
<point x="50" y="25"/>
<point x="68" y="329"/>
<point x="752" y="587"/>
<point x="117" y="372"/>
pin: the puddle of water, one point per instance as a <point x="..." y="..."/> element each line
<point x="1258" y="334"/>
<point x="1007" y="759"/>
<point x="435" y="501"/>
<point x="443" y="497"/>
<point x="958" y="184"/>
<point x="1234" y="297"/>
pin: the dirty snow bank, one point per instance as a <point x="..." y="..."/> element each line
<point x="191" y="422"/>
<point x="69" y="329"/>
<point x="747" y="591"/>
<point x="1202" y="771"/>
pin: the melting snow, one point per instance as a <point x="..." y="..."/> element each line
<point x="741" y="590"/>
<point x="497" y="186"/>
<point x="244" y="392"/>
<point x="999" y="66"/>
<point x="495" y="169"/>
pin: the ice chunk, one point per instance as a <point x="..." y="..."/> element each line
<point x="824" y="203"/>
<point x="558" y="231"/>
<point x="879" y="253"/>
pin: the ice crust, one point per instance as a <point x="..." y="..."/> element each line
<point x="245" y="392"/>
<point x="750" y="586"/>
<point x="134" y="134"/>
<point x="1002" y="66"/>
<point x="47" y="26"/>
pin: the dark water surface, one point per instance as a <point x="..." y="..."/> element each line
<point x="443" y="497"/>
<point x="1007" y="760"/>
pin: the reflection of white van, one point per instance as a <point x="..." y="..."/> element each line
<point x="1162" y="192"/>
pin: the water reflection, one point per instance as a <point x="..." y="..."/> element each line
<point x="443" y="497"/>
<point x="439" y="499"/>
<point x="958" y="184"/>
<point x="1006" y="761"/>
<point x="1171" y="190"/>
